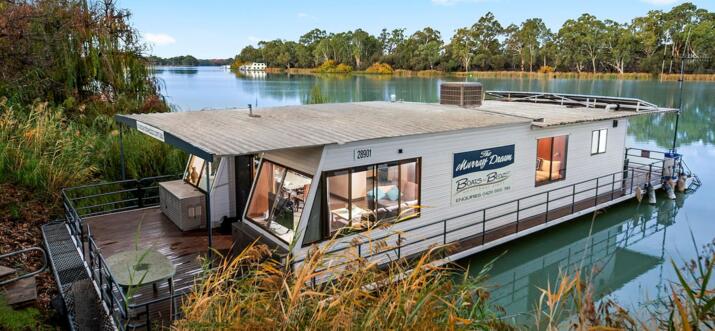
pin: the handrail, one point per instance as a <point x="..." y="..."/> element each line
<point x="621" y="177"/>
<point x="29" y="274"/>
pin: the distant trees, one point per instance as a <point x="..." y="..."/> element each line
<point x="651" y="43"/>
<point x="187" y="61"/>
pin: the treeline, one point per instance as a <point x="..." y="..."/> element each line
<point x="187" y="61"/>
<point x="652" y="43"/>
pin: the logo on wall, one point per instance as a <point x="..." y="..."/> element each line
<point x="481" y="173"/>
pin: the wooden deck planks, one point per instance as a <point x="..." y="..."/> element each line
<point x="148" y="227"/>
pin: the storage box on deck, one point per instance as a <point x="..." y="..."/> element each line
<point x="183" y="204"/>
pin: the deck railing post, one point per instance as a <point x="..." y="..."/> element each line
<point x="573" y="198"/>
<point x="209" y="253"/>
<point x="595" y="200"/>
<point x="633" y="175"/>
<point x="547" y="207"/>
<point x="399" y="246"/>
<point x="140" y="194"/>
<point x="444" y="231"/>
<point x="649" y="178"/>
<point x="517" y="214"/>
<point x="613" y="185"/>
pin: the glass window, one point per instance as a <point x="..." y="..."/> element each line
<point x="409" y="188"/>
<point x="195" y="173"/>
<point x="551" y="159"/>
<point x="598" y="141"/>
<point x="383" y="192"/>
<point x="278" y="199"/>
<point x="338" y="201"/>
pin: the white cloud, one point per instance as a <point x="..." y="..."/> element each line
<point x="159" y="38"/>
<point x="660" y="2"/>
<point x="452" y="2"/>
<point x="305" y="15"/>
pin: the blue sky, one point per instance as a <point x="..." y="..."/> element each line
<point x="219" y="29"/>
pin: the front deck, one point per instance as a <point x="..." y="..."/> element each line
<point x="150" y="228"/>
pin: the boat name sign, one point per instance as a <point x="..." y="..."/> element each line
<point x="150" y="131"/>
<point x="481" y="173"/>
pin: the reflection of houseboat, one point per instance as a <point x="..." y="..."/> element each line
<point x="604" y="252"/>
<point x="254" y="66"/>
<point x="468" y="172"/>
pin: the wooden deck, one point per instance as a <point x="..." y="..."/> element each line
<point x="146" y="228"/>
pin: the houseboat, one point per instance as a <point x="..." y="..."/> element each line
<point x="471" y="172"/>
<point x="253" y="66"/>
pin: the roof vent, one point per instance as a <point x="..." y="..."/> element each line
<point x="461" y="94"/>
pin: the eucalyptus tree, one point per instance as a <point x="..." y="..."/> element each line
<point x="363" y="46"/>
<point x="463" y="46"/>
<point x="581" y="40"/>
<point x="621" y="45"/>
<point x="527" y="40"/>
<point x="310" y="40"/>
<point x="486" y="33"/>
<point x="649" y="34"/>
<point x="426" y="46"/>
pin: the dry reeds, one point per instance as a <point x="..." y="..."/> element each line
<point x="254" y="292"/>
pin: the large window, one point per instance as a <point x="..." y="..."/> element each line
<point x="598" y="141"/>
<point x="551" y="159"/>
<point x="278" y="199"/>
<point x="357" y="198"/>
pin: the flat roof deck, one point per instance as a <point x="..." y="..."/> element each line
<point x="233" y="132"/>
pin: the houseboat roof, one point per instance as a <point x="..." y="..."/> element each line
<point x="230" y="132"/>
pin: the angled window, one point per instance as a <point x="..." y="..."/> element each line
<point x="278" y="199"/>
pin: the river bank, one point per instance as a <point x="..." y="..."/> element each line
<point x="514" y="74"/>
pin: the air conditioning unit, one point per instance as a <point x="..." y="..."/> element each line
<point x="183" y="204"/>
<point x="461" y="94"/>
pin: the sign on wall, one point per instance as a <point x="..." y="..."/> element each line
<point x="481" y="173"/>
<point x="150" y="131"/>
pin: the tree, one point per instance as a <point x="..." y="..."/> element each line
<point x="363" y="45"/>
<point x="424" y="49"/>
<point x="486" y="33"/>
<point x="620" y="42"/>
<point x="463" y="46"/>
<point x="582" y="39"/>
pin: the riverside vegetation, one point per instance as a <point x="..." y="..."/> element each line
<point x="67" y="67"/>
<point x="70" y="65"/>
<point x="651" y="45"/>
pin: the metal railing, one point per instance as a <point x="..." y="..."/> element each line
<point x="28" y="274"/>
<point x="84" y="201"/>
<point x="526" y="213"/>
<point x="125" y="312"/>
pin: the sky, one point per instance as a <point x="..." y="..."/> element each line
<point x="221" y="28"/>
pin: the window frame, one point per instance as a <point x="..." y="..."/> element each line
<point x="253" y="189"/>
<point x="551" y="164"/>
<point x="598" y="142"/>
<point x="325" y="210"/>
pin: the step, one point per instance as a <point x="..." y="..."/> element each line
<point x="5" y="271"/>
<point x="21" y="291"/>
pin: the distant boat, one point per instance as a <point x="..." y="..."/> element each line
<point x="255" y="66"/>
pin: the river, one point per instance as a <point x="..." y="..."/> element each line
<point x="626" y="251"/>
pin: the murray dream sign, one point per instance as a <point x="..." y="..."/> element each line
<point x="481" y="173"/>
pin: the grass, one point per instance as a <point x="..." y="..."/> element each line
<point x="44" y="149"/>
<point x="20" y="319"/>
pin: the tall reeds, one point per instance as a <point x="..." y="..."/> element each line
<point x="255" y="292"/>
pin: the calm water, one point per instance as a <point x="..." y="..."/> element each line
<point x="629" y="249"/>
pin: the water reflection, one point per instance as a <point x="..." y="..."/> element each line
<point x="608" y="257"/>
